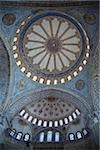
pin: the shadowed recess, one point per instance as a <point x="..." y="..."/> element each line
<point x="4" y="71"/>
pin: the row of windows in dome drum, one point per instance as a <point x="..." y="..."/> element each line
<point x="55" y="123"/>
<point x="19" y="135"/>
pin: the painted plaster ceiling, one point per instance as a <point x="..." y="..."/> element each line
<point x="51" y="48"/>
<point x="51" y="108"/>
<point x="49" y="111"/>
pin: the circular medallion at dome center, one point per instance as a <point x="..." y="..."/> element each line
<point x="53" y="45"/>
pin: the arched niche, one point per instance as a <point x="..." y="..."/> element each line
<point x="33" y="120"/>
<point x="34" y="96"/>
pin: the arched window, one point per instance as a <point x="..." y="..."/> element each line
<point x="50" y="123"/>
<point x="26" y="115"/>
<point x="57" y="137"/>
<point x="26" y="137"/>
<point x="22" y="112"/>
<point x="85" y="132"/>
<point x="79" y="135"/>
<point x="39" y="122"/>
<point x="19" y="135"/>
<point x="49" y="136"/>
<point x="71" y="137"/>
<point x="56" y="123"/>
<point x="12" y="132"/>
<point x="45" y="124"/>
<point x="41" y="139"/>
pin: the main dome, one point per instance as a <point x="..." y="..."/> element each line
<point x="51" y="47"/>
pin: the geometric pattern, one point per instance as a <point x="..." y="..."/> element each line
<point x="49" y="111"/>
<point x="51" y="47"/>
<point x="50" y="108"/>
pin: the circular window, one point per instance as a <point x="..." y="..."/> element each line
<point x="51" y="48"/>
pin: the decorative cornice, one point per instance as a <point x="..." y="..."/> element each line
<point x="48" y="3"/>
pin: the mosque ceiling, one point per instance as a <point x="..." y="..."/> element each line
<point x="58" y="57"/>
<point x="51" y="108"/>
<point x="55" y="108"/>
<point x="51" y="48"/>
<point x="50" y="42"/>
<point x="47" y="53"/>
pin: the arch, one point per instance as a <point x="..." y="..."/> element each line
<point x="41" y="138"/>
<point x="8" y="48"/>
<point x="5" y="72"/>
<point x="78" y="101"/>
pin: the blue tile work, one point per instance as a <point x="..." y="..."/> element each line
<point x="91" y="29"/>
<point x="4" y="72"/>
<point x="31" y="85"/>
<point x="9" y="31"/>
